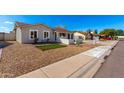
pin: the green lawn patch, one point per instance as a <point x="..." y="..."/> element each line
<point x="49" y="46"/>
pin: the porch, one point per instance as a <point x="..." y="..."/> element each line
<point x="64" y="37"/>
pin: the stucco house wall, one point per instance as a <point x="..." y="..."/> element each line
<point x="25" y="33"/>
<point x="77" y="35"/>
<point x="18" y="35"/>
<point x="120" y="37"/>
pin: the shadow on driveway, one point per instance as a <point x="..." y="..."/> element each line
<point x="4" y="44"/>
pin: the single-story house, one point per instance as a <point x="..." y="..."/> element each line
<point x="83" y="35"/>
<point x="26" y="33"/>
<point x="120" y="37"/>
<point x="79" y="36"/>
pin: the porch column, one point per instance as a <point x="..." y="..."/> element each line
<point x="72" y="36"/>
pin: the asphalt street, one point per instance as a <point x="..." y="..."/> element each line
<point x="113" y="67"/>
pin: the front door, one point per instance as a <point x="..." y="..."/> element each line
<point x="68" y="36"/>
<point x="55" y="36"/>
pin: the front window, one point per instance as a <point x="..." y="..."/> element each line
<point x="46" y="35"/>
<point x="33" y="34"/>
<point x="62" y="34"/>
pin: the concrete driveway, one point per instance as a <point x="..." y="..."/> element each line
<point x="114" y="64"/>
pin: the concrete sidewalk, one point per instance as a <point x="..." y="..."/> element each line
<point x="113" y="67"/>
<point x="81" y="65"/>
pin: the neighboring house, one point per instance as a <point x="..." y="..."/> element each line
<point x="120" y="37"/>
<point x="80" y="36"/>
<point x="26" y="33"/>
<point x="85" y="35"/>
<point x="89" y="36"/>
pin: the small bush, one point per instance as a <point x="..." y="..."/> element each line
<point x="77" y="42"/>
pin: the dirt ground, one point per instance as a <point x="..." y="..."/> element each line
<point x="18" y="59"/>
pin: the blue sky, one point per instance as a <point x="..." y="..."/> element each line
<point x="70" y="22"/>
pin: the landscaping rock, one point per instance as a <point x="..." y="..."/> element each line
<point x="18" y="59"/>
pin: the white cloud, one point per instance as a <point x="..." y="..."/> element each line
<point x="4" y="29"/>
<point x="8" y="22"/>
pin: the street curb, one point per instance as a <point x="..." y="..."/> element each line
<point x="82" y="71"/>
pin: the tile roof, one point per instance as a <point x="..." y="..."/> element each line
<point x="42" y="25"/>
<point x="57" y="29"/>
<point x="22" y="24"/>
<point x="60" y="29"/>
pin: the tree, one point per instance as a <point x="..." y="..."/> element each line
<point x="120" y="32"/>
<point x="109" y="32"/>
<point x="96" y="31"/>
<point x="89" y="30"/>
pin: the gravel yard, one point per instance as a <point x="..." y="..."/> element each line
<point x="18" y="59"/>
